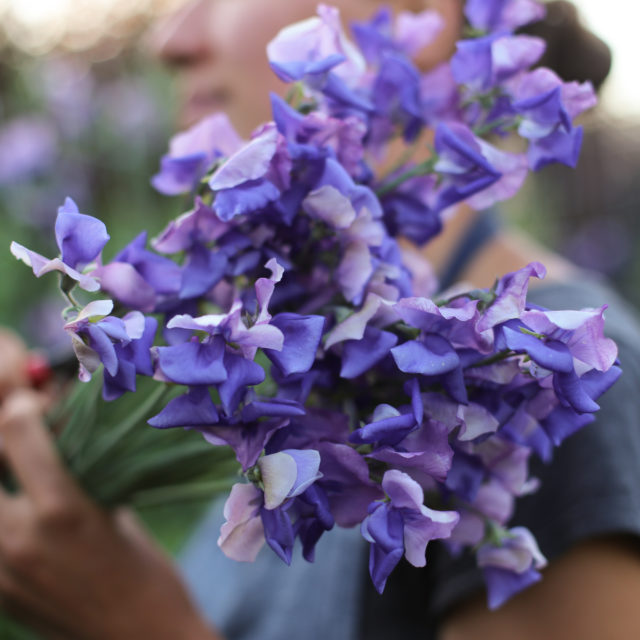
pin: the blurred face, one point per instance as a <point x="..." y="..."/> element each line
<point x="218" y="49"/>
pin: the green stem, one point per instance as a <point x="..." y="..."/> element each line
<point x="498" y="357"/>
<point x="111" y="440"/>
<point x="180" y="493"/>
<point x="422" y="169"/>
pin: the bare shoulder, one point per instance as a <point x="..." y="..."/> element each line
<point x="591" y="593"/>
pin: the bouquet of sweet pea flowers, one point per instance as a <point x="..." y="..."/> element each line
<point x="281" y="312"/>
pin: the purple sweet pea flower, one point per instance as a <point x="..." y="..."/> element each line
<point x="249" y="439"/>
<point x="134" y="358"/>
<point x="261" y="334"/>
<point x="513" y="168"/>
<point x="424" y="452"/>
<point x="484" y="63"/>
<point x="409" y="34"/>
<point x="192" y="152"/>
<point x="95" y="334"/>
<point x="402" y="526"/>
<point x="196" y="227"/>
<point x="461" y="162"/>
<point x="387" y="427"/>
<point x="559" y="146"/>
<point x="510" y="567"/>
<point x="287" y="474"/>
<point x="502" y="15"/>
<point x="244" y="183"/>
<point x="242" y="534"/>
<point x="80" y="239"/>
<point x="545" y="102"/>
<point x="587" y="342"/>
<point x="313" y="47"/>
<point x="511" y="295"/>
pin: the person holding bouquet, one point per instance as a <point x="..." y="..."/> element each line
<point x="82" y="573"/>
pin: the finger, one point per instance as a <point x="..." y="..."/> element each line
<point x="31" y="453"/>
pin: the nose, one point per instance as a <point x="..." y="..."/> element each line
<point x="182" y="39"/>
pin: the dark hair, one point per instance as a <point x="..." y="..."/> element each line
<point x="573" y="51"/>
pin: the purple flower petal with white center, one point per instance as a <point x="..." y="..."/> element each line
<point x="302" y="335"/>
<point x="502" y="15"/>
<point x="194" y="363"/>
<point x="193" y="151"/>
<point x="122" y="281"/>
<point x="242" y="534"/>
<point x="511" y="295"/>
<point x="41" y="265"/>
<point x="193" y="409"/>
<point x="80" y="237"/>
<point x="359" y="356"/>
<point x="432" y="355"/>
<point x="287" y="474"/>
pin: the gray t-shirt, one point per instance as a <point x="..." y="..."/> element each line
<point x="591" y="488"/>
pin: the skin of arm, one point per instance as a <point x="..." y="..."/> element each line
<point x="591" y="592"/>
<point x="71" y="568"/>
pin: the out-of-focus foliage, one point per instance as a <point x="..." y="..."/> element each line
<point x="92" y="132"/>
